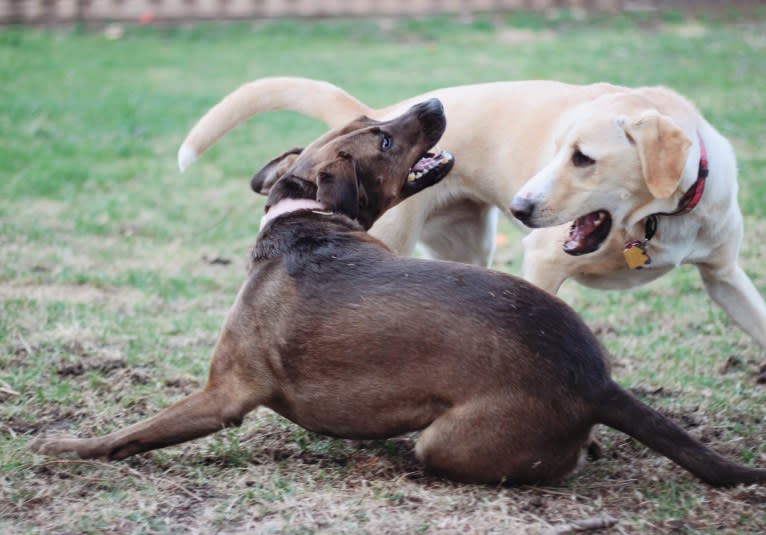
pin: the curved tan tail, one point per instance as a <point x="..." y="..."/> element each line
<point x="315" y="98"/>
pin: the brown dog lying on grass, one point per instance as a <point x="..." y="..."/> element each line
<point x="338" y="334"/>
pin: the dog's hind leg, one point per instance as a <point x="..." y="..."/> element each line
<point x="462" y="231"/>
<point x="222" y="403"/>
<point x="484" y="443"/>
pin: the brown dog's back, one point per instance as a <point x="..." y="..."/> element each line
<point x="383" y="345"/>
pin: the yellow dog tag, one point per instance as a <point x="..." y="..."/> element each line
<point x="635" y="255"/>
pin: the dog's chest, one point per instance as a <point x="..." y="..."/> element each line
<point x="671" y="247"/>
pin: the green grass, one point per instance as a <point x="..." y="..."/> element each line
<point x="102" y="247"/>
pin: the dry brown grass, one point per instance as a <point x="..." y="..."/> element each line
<point x="110" y="302"/>
<point x="271" y="476"/>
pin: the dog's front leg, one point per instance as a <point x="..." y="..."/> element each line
<point x="732" y="289"/>
<point x="540" y="265"/>
<point x="200" y="414"/>
<point x="233" y="389"/>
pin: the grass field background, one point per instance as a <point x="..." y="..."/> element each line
<point x="116" y="273"/>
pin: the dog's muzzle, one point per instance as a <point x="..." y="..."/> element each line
<point x="522" y="209"/>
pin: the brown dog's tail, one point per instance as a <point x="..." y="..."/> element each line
<point x="315" y="98"/>
<point x="620" y="410"/>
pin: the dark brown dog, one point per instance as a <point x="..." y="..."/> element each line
<point x="341" y="336"/>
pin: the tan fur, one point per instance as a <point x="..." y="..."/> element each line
<point x="517" y="138"/>
<point x="662" y="150"/>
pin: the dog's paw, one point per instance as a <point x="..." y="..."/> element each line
<point x="58" y="447"/>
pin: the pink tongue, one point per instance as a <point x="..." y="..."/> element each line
<point x="581" y="229"/>
<point x="585" y="225"/>
<point x="421" y="164"/>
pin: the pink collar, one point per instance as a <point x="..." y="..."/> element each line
<point x="285" y="206"/>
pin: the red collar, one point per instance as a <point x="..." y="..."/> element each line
<point x="693" y="195"/>
<point x="689" y="200"/>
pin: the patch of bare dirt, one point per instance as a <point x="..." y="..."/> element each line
<point x="101" y="365"/>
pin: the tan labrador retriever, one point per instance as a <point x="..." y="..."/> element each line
<point x="338" y="334"/>
<point x="623" y="164"/>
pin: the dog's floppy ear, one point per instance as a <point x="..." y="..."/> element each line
<point x="337" y="186"/>
<point x="290" y="187"/>
<point x="662" y="149"/>
<point x="273" y="171"/>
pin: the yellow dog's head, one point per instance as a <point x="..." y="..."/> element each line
<point x="616" y="157"/>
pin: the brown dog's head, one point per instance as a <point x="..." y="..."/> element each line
<point x="364" y="168"/>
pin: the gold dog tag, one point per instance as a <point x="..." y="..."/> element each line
<point x="635" y="255"/>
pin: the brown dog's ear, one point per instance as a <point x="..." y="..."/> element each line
<point x="273" y="171"/>
<point x="662" y="149"/>
<point x="337" y="186"/>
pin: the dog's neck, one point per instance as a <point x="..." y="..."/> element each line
<point x="635" y="251"/>
<point x="303" y="235"/>
<point x="288" y="205"/>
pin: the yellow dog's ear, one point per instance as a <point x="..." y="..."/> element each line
<point x="662" y="148"/>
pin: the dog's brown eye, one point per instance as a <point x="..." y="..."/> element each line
<point x="386" y="142"/>
<point x="580" y="160"/>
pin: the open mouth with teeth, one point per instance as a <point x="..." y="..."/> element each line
<point x="429" y="169"/>
<point x="588" y="233"/>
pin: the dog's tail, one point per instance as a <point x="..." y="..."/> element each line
<point x="620" y="410"/>
<point x="315" y="98"/>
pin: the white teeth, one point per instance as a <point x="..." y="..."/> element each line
<point x="414" y="175"/>
<point x="432" y="163"/>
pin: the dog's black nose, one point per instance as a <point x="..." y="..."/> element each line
<point x="434" y="105"/>
<point x="431" y="116"/>
<point x="430" y="108"/>
<point x="522" y="208"/>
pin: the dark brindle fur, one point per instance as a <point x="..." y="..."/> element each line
<point x="339" y="335"/>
